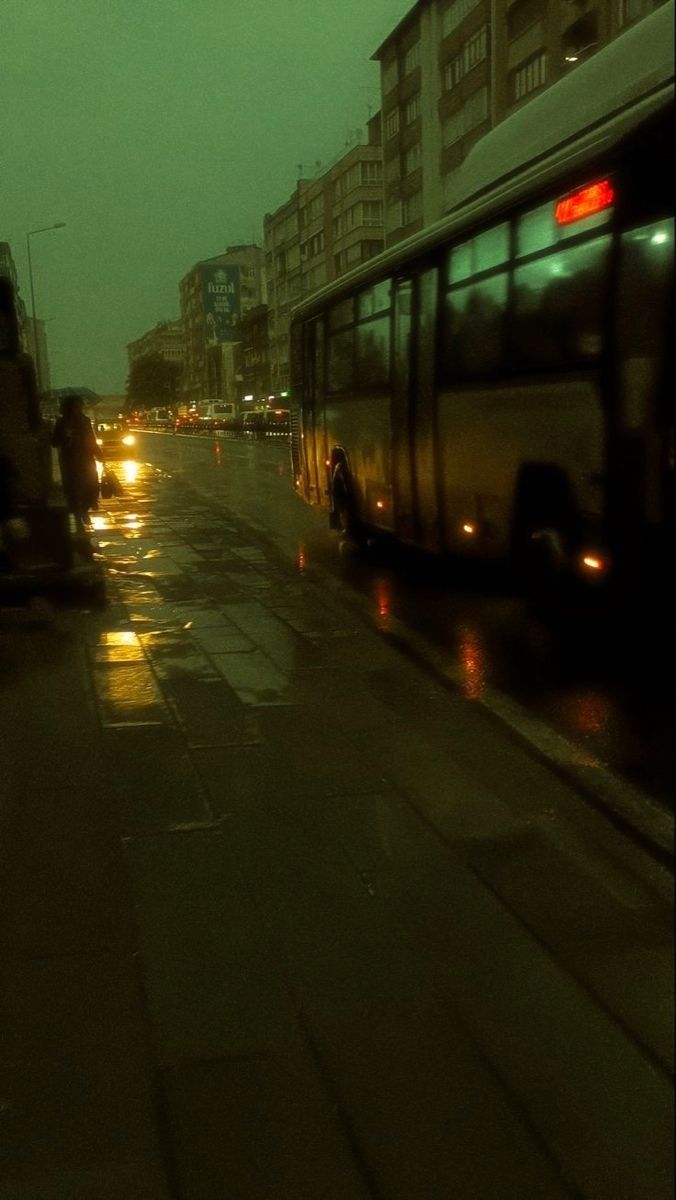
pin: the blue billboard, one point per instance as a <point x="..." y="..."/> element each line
<point x="220" y="292"/>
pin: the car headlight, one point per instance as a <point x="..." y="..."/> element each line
<point x="99" y="441"/>
<point x="128" y="439"/>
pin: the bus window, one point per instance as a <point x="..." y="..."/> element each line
<point x="373" y="352"/>
<point x="558" y="306"/>
<point x="342" y="314"/>
<point x="460" y="262"/>
<point x="646" y="270"/>
<point x="340" y="361"/>
<point x="475" y="323"/>
<point x="375" y="299"/>
<point x="486" y="250"/>
<point x="491" y="249"/>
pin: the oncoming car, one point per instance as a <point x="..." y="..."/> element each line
<point x="115" y="439"/>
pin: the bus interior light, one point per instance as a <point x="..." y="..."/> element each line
<point x="585" y="202"/>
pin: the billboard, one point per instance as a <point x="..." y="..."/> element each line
<point x="220" y="292"/>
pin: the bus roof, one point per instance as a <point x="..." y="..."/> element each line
<point x="591" y="109"/>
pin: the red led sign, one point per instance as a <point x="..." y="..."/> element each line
<point x="585" y="202"/>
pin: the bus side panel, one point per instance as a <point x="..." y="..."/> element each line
<point x="360" y="425"/>
<point x="488" y="436"/>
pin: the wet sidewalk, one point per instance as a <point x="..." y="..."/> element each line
<point x="286" y="920"/>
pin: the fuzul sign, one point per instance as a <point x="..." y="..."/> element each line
<point x="221" y="298"/>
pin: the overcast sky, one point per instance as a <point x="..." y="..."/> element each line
<point x="162" y="131"/>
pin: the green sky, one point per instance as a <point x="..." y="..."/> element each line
<point x="161" y="131"/>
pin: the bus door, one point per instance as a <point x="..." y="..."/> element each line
<point x="401" y="425"/>
<point x="314" y="414"/>
<point x="423" y="414"/>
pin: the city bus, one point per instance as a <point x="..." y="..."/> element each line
<point x="500" y="384"/>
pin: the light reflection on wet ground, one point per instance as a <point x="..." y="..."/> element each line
<point x="607" y="694"/>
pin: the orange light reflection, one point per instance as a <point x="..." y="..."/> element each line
<point x="472" y="662"/>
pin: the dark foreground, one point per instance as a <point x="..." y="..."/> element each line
<point x="285" y="919"/>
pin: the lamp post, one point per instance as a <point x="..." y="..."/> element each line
<point x="36" y="347"/>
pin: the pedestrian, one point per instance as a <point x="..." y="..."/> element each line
<point x="76" y="442"/>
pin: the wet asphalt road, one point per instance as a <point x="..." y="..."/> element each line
<point x="608" y="690"/>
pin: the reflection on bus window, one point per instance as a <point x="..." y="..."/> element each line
<point x="342" y="314"/>
<point x="375" y="300"/>
<point x="373" y="352"/>
<point x="647" y="263"/>
<point x="460" y="262"/>
<point x="475" y="343"/>
<point x="538" y="229"/>
<point x="486" y="250"/>
<point x="340" y="361"/>
<point x="558" y="306"/>
<point x="491" y="249"/>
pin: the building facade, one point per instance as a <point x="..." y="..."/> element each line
<point x="166" y="339"/>
<point x="214" y="294"/>
<point x="35" y="341"/>
<point x="329" y="225"/>
<point x="8" y="269"/>
<point x="254" y="357"/>
<point x="452" y="69"/>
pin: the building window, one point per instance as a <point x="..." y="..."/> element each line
<point x="455" y="15"/>
<point x="582" y="37"/>
<point x="472" y="113"/>
<point x="473" y="51"/>
<point x="412" y="58"/>
<point x="412" y="111"/>
<point x="313" y="246"/>
<point x="529" y="76"/>
<point x="371" y="248"/>
<point x="372" y="211"/>
<point x="411" y="208"/>
<point x="631" y="10"/>
<point x="392" y="123"/>
<point x="522" y="14"/>
<point x="372" y="172"/>
<point x="390" y="75"/>
<point x="413" y="158"/>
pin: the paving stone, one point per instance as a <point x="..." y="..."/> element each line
<point x="255" y="1128"/>
<point x="78" y="1116"/>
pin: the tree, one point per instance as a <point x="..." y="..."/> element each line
<point x="153" y="382"/>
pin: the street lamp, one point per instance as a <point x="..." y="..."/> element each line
<point x="36" y="347"/>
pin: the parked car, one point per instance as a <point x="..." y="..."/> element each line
<point x="115" y="439"/>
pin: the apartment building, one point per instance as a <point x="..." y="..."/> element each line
<point x="35" y="341"/>
<point x="166" y="339"/>
<point x="254" y="356"/>
<point x="213" y="296"/>
<point x="8" y="269"/>
<point x="452" y="69"/>
<point x="327" y="226"/>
